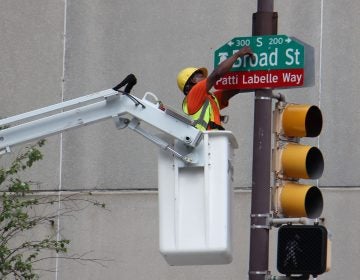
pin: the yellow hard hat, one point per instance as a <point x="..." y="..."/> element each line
<point x="186" y="73"/>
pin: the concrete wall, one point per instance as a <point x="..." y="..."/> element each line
<point x="54" y="50"/>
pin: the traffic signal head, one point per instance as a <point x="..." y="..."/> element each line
<point x="301" y="161"/>
<point x="303" y="249"/>
<point x="293" y="161"/>
<point x="298" y="200"/>
<point x="299" y="120"/>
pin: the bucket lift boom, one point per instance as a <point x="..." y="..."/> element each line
<point x="125" y="109"/>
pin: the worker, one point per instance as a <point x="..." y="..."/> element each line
<point x="202" y="105"/>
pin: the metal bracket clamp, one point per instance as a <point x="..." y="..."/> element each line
<point x="302" y="220"/>
<point x="266" y="215"/>
<point x="260" y="227"/>
<point x="263" y="98"/>
<point x="279" y="96"/>
<point x="264" y="272"/>
<point x="267" y="224"/>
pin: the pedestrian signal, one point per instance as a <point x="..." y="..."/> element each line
<point x="303" y="250"/>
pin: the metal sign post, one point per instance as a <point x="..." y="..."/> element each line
<point x="264" y="23"/>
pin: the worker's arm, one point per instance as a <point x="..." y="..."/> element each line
<point x="225" y="66"/>
<point x="223" y="96"/>
<point x="229" y="93"/>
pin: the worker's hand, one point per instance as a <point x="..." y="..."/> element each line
<point x="246" y="51"/>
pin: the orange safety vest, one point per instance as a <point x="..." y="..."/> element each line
<point x="206" y="117"/>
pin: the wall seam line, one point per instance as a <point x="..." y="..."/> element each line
<point x="61" y="139"/>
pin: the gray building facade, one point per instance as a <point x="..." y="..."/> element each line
<point x="56" y="50"/>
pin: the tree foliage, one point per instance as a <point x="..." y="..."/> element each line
<point x="21" y="215"/>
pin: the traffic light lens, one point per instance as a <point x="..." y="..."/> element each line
<point x="313" y="202"/>
<point x="314" y="163"/>
<point x="313" y="122"/>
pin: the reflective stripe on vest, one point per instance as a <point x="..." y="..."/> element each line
<point x="203" y="116"/>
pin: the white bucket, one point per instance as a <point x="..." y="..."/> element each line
<point x="195" y="202"/>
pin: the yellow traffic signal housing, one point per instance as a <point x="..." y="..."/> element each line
<point x="298" y="120"/>
<point x="301" y="161"/>
<point x="299" y="200"/>
<point x="293" y="161"/>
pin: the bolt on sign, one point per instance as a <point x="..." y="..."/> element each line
<point x="278" y="63"/>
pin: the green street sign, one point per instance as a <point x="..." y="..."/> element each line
<point x="270" y="52"/>
<point x="278" y="63"/>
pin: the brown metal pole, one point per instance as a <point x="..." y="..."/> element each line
<point x="264" y="23"/>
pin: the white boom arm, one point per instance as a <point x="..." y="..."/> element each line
<point x="99" y="106"/>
